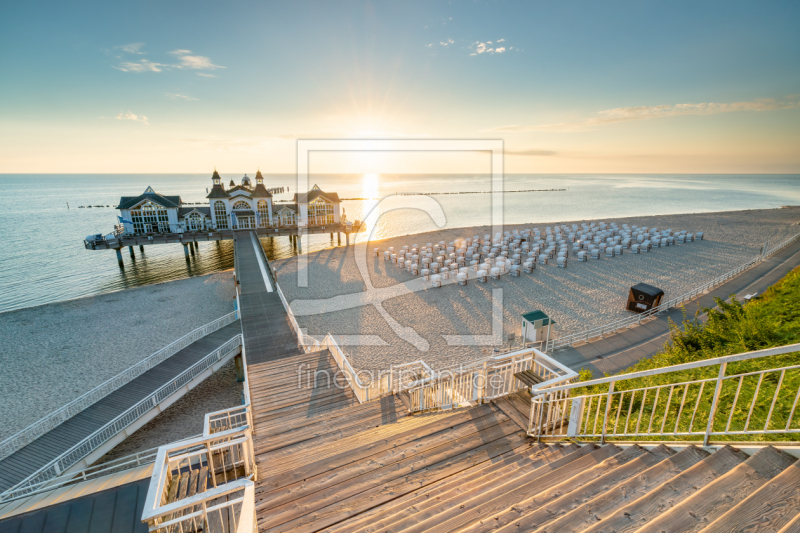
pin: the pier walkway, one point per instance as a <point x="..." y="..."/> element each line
<point x="82" y="428"/>
<point x="616" y="352"/>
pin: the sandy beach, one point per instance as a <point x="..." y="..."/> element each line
<point x="54" y="353"/>
<point x="583" y="295"/>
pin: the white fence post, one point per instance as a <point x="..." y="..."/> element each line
<point x="575" y="416"/>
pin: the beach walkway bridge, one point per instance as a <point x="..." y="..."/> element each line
<point x="77" y="435"/>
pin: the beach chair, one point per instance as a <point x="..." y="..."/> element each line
<point x="596" y="253"/>
<point x="609" y="251"/>
<point x="618" y="249"/>
<point x="434" y="268"/>
<point x="562" y="262"/>
<point x="377" y="252"/>
<point x="645" y="246"/>
<point x="408" y="265"/>
<point x="445" y="273"/>
<point x="664" y="242"/>
<point x="515" y="270"/>
<point x="543" y="259"/>
<point x="415" y="269"/>
<point x="461" y="278"/>
<point x="635" y="248"/>
<point x="528" y="266"/>
<point x="436" y="281"/>
<point x="426" y="274"/>
<point x="481" y="277"/>
<point x="387" y="256"/>
<point x="583" y="256"/>
<point x="698" y="236"/>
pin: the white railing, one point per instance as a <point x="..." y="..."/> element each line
<point x="224" y="458"/>
<point x="223" y="469"/>
<point x="46" y="424"/>
<point x="627" y="322"/>
<point x="76" y="453"/>
<point x="706" y="407"/>
<point x="479" y="381"/>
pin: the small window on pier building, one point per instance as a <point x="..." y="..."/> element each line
<point x="150" y="218"/>
<point x="263" y="213"/>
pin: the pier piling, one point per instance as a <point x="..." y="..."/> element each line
<point x="239" y="368"/>
<point x="130" y="249"/>
<point x="186" y="251"/>
<point x="141" y="248"/>
<point x="119" y="256"/>
<point x="339" y="233"/>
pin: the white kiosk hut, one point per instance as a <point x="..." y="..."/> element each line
<point x="536" y="326"/>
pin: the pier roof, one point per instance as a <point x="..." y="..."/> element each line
<point x="218" y="192"/>
<point x="314" y="194"/>
<point x="261" y="192"/>
<point x="126" y="202"/>
<point x="183" y="211"/>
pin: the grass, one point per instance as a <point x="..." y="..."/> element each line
<point x="768" y="321"/>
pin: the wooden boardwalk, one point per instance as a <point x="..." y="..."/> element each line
<point x="24" y="462"/>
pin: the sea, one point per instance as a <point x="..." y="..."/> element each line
<point x="44" y="218"/>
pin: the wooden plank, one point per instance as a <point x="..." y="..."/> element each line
<point x="505" y="405"/>
<point x="500" y="493"/>
<point x="637" y="513"/>
<point x="535" y="512"/>
<point x="592" y="511"/>
<point x="378" y="518"/>
<point x="719" y="496"/>
<point x="305" y="510"/>
<point x="770" y="508"/>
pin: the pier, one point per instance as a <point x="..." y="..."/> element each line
<point x="190" y="239"/>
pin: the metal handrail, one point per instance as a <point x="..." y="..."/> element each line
<point x="37" y="429"/>
<point x="611" y="327"/>
<point x="555" y="413"/>
<point x="87" y="445"/>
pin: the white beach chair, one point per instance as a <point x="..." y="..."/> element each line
<point x="664" y="242"/>
<point x="445" y="273"/>
<point x="609" y="251"/>
<point x="461" y="278"/>
<point x="387" y="256"/>
<point x="596" y="253"/>
<point x="426" y="274"/>
<point x="529" y="266"/>
<point x="634" y="248"/>
<point x="408" y="265"/>
<point x="583" y="256"/>
<point x="481" y="277"/>
<point x="515" y="270"/>
<point x="562" y="262"/>
<point x="516" y="259"/>
<point x="436" y="281"/>
<point x="415" y="269"/>
<point x="377" y="252"/>
<point x="543" y="259"/>
<point x="618" y="249"/>
<point x="698" y="236"/>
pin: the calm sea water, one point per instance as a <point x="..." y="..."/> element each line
<point x="42" y="258"/>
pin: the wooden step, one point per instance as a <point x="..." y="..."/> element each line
<point x="556" y="501"/>
<point x="505" y="405"/>
<point x="328" y="488"/>
<point x="363" y="448"/>
<point x="501" y="494"/>
<point x="589" y="513"/>
<point x="792" y="527"/>
<point x="770" y="508"/>
<point x="637" y="513"/>
<point x="487" y="445"/>
<point x="698" y="511"/>
<point x="377" y="518"/>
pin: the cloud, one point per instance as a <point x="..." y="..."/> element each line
<point x="134" y="117"/>
<point x="207" y="75"/>
<point x="628" y="114"/>
<point x="530" y="152"/>
<point x="143" y="65"/>
<point x="488" y="47"/>
<point x="186" y="60"/>
<point x="193" y="62"/>
<point x="176" y="96"/>
<point x="133" y="48"/>
<point x="448" y="42"/>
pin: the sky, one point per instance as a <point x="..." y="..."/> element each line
<point x="569" y="86"/>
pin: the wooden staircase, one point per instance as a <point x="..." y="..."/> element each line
<point x="328" y="463"/>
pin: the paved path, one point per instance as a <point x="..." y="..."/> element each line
<point x="615" y="353"/>
<point x="18" y="466"/>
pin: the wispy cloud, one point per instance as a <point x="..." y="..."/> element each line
<point x="176" y="96"/>
<point x="143" y="65"/>
<point x="628" y="114"/>
<point x="207" y="75"/>
<point x="187" y="60"/>
<point x="448" y="42"/>
<point x="131" y="116"/>
<point x="530" y="152"/>
<point x="133" y="48"/>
